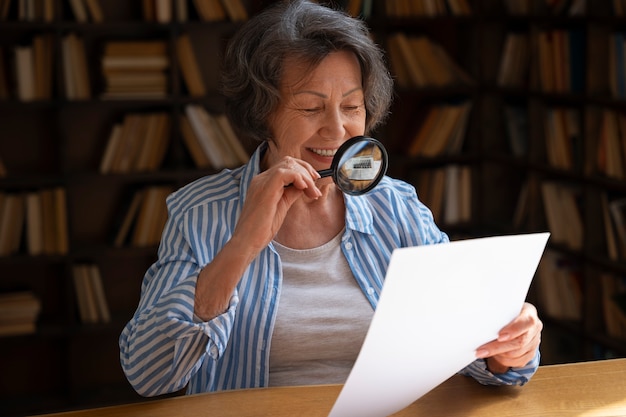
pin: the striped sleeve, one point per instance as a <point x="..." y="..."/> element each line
<point x="515" y="376"/>
<point x="164" y="345"/>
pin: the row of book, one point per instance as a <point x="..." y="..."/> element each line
<point x="418" y="61"/>
<point x="514" y="60"/>
<point x="19" y="311"/>
<point x="46" y="10"/>
<point x="427" y="8"/>
<point x="211" y="139"/>
<point x="33" y="69"/>
<point x="90" y="294"/>
<point x="442" y="131"/>
<point x="617" y="64"/>
<point x="614" y="305"/>
<point x="611" y="144"/>
<point x="614" y="220"/>
<point x="563" y="213"/>
<point x="563" y="138"/>
<point x="555" y="7"/>
<point x="145" y="217"/>
<point x="131" y="69"/>
<point x="619" y="7"/>
<point x="138" y="143"/>
<point x="447" y="192"/>
<point x="559" y="281"/>
<point x="36" y="218"/>
<point x="561" y="60"/>
<point x="560" y="292"/>
<point x="560" y="64"/>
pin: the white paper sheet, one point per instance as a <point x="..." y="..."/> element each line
<point x="439" y="303"/>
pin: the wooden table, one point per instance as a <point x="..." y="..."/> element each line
<point x="582" y="389"/>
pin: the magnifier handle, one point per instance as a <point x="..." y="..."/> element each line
<point x="325" y="172"/>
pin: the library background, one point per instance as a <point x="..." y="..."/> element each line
<point x="509" y="118"/>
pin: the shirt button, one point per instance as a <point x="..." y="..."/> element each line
<point x="370" y="291"/>
<point x="213" y="352"/>
<point x="348" y="246"/>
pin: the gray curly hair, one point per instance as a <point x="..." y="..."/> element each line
<point x="308" y="32"/>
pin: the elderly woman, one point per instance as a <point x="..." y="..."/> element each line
<point x="268" y="274"/>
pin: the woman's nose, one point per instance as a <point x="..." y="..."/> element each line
<point x="334" y="124"/>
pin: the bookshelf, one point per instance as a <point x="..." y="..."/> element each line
<point x="76" y="124"/>
<point x="548" y="130"/>
<point x="490" y="159"/>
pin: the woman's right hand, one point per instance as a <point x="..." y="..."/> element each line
<point x="270" y="196"/>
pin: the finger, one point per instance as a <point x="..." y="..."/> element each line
<point x="526" y="321"/>
<point x="513" y="348"/>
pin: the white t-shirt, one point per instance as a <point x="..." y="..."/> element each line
<point x="322" y="319"/>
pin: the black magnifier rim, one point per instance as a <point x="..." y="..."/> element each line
<point x="342" y="149"/>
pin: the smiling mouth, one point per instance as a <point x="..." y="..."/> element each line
<point x="324" y="152"/>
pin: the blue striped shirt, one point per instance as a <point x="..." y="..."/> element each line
<point x="165" y="347"/>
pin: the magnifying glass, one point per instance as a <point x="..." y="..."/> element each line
<point x="358" y="166"/>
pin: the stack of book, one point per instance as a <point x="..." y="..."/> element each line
<point x="135" y="69"/>
<point x="18" y="313"/>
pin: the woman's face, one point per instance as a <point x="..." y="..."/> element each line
<point x="319" y="110"/>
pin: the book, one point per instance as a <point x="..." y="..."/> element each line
<point x="34" y="223"/>
<point x="95" y="10"/>
<point x="210" y="10"/>
<point x="60" y="221"/>
<point x="25" y="71"/>
<point x="163" y="11"/>
<point x="85" y="296"/>
<point x="43" y="46"/>
<point x="97" y="285"/>
<point x="75" y="70"/>
<point x="235" y="10"/>
<point x="151" y="216"/>
<point x="613" y="289"/>
<point x="129" y="219"/>
<point x="79" y="10"/>
<point x="189" y="66"/>
<point x="514" y="62"/>
<point x="11" y="223"/>
<point x="192" y="142"/>
<point x="614" y="252"/>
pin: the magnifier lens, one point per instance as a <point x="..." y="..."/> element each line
<point x="359" y="165"/>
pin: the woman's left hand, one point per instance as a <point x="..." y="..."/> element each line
<point x="516" y="344"/>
